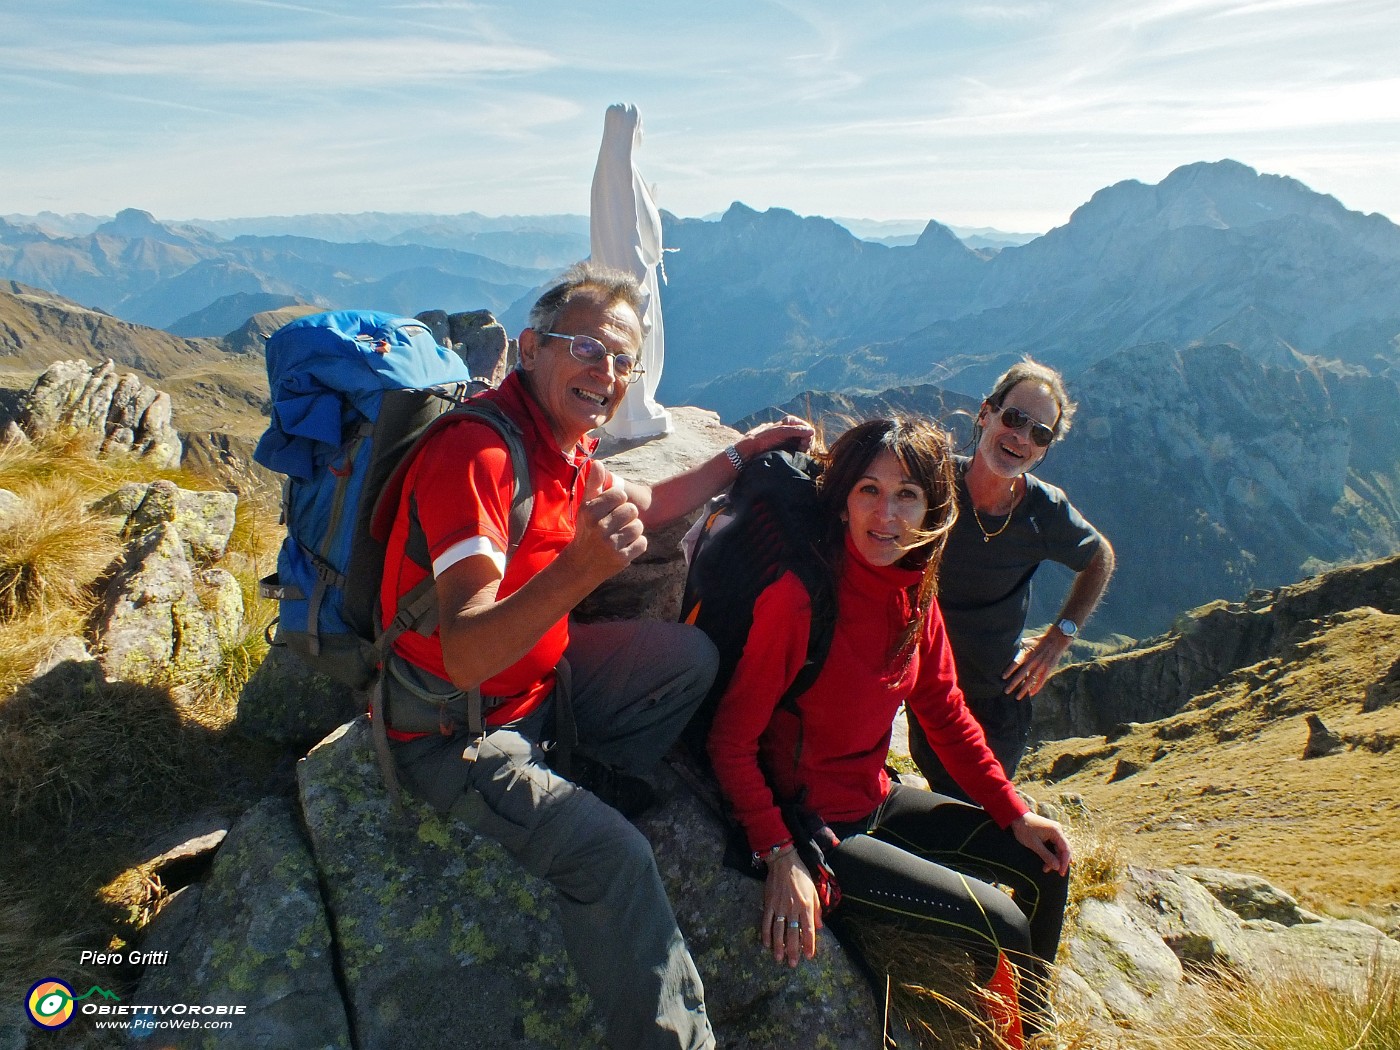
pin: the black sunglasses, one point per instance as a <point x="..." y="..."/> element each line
<point x="1015" y="419"/>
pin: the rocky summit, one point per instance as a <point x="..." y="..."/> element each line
<point x="347" y="922"/>
<point x="335" y="921"/>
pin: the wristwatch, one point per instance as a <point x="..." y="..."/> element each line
<point x="1067" y="627"/>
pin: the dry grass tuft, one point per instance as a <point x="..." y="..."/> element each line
<point x="1293" y="1009"/>
<point x="73" y="747"/>
<point x="932" y="995"/>
<point x="1100" y="862"/>
<point x="212" y="698"/>
<point x="28" y="640"/>
<point x="31" y="949"/>
<point x="51" y="550"/>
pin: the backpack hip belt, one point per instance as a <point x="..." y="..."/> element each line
<point x="410" y="707"/>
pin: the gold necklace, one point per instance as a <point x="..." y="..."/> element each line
<point x="987" y="536"/>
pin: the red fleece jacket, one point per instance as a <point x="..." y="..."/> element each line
<point x="844" y="720"/>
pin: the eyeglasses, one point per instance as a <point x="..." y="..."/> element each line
<point x="591" y="352"/>
<point x="1015" y="419"/>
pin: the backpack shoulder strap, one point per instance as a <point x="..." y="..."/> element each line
<point x="523" y="502"/>
<point x="418" y="609"/>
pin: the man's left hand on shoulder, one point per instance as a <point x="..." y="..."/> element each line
<point x="789" y="432"/>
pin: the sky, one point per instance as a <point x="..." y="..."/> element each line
<point x="999" y="114"/>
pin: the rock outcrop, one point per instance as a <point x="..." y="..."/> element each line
<point x="123" y="412"/>
<point x="438" y="932"/>
<point x="1141" y="954"/>
<point x="651" y="586"/>
<point x="477" y="337"/>
<point x="254" y="934"/>
<point x="287" y="702"/>
<point x="1156" y="679"/>
<point x="167" y="609"/>
<point x="433" y="930"/>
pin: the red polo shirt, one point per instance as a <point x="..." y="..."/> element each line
<point x="461" y="484"/>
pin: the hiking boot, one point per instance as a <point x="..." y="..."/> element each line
<point x="631" y="796"/>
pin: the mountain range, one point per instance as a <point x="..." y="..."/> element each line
<point x="1233" y="339"/>
<point x="761" y="306"/>
<point x="170" y="275"/>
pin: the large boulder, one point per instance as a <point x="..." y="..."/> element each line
<point x="477" y="338"/>
<point x="286" y="701"/>
<point x="157" y="620"/>
<point x="651" y="586"/>
<point x="1199" y="930"/>
<point x="1124" y="962"/>
<point x="441" y="929"/>
<point x="1249" y="896"/>
<point x="205" y="520"/>
<point x="253" y="935"/>
<point x="1340" y="954"/>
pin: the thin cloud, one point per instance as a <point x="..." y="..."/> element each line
<point x="324" y="61"/>
<point x="980" y="113"/>
<point x="1005" y="13"/>
<point x="283" y="5"/>
<point x="438" y="5"/>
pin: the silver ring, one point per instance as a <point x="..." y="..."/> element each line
<point x="794" y="925"/>
<point x="780" y="918"/>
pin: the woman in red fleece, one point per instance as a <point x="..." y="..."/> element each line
<point x="891" y="852"/>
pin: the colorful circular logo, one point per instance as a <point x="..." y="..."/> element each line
<point x="50" y="1003"/>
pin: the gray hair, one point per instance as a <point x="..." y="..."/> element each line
<point x="588" y="280"/>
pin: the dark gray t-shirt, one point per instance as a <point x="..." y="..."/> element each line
<point x="984" y="586"/>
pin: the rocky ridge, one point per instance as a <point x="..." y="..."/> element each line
<point x="1259" y="733"/>
<point x="1215" y="252"/>
<point x="1160" y="677"/>
<point x="73" y="397"/>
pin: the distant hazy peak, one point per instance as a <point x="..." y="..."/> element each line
<point x="1222" y="194"/>
<point x="133" y="224"/>
<point x="936" y="235"/>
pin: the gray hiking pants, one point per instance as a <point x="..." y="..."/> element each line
<point x="634" y="686"/>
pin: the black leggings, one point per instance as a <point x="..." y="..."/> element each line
<point x="926" y="862"/>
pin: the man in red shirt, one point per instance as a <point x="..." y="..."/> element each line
<point x="628" y="687"/>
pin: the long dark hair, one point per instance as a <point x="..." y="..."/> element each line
<point x="925" y="451"/>
<point x="1027" y="370"/>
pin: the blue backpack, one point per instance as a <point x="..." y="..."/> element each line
<point x="353" y="393"/>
